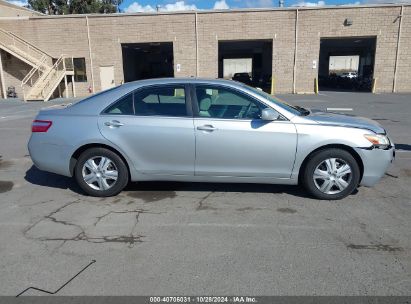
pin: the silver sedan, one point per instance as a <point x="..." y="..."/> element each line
<point x="201" y="130"/>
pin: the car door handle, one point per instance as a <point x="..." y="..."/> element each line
<point x="113" y="123"/>
<point x="209" y="128"/>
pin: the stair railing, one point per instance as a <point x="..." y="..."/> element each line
<point x="33" y="76"/>
<point x="59" y="69"/>
<point x="7" y="38"/>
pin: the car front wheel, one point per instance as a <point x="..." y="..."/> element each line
<point x="331" y="174"/>
<point x="101" y="172"/>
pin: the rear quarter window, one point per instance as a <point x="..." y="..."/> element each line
<point x="124" y="106"/>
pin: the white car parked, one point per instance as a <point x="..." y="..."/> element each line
<point x="350" y="75"/>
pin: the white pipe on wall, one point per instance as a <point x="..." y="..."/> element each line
<point x="3" y="86"/>
<point x="91" y="56"/>
<point x="196" y="28"/>
<point x="295" y="51"/>
<point x="394" y="84"/>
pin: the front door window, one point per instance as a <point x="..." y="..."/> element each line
<point x="220" y="102"/>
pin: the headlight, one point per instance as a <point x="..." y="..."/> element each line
<point x="378" y="140"/>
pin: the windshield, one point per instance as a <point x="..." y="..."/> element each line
<point x="290" y="108"/>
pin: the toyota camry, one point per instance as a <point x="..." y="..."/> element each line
<point x="202" y="130"/>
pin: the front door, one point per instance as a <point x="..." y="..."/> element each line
<point x="232" y="140"/>
<point x="154" y="128"/>
<point x="107" y="77"/>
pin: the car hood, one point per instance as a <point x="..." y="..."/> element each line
<point x="352" y="121"/>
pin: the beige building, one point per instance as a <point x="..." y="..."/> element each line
<point x="289" y="47"/>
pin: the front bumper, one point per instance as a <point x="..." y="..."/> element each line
<point x="376" y="163"/>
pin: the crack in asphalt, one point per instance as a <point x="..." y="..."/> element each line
<point x="30" y="227"/>
<point x="137" y="211"/>
<point x="287" y="210"/>
<point x="378" y="247"/>
<point x="131" y="239"/>
<point x="374" y="243"/>
<point x="202" y="200"/>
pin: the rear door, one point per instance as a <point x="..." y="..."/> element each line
<point x="154" y="127"/>
<point x="232" y="140"/>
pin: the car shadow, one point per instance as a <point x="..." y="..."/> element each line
<point x="47" y="179"/>
<point x="404" y="147"/>
<point x="144" y="187"/>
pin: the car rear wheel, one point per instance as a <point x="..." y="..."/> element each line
<point x="101" y="172"/>
<point x="331" y="174"/>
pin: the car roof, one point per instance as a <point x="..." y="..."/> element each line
<point x="169" y="80"/>
<point x="104" y="98"/>
<point x="93" y="105"/>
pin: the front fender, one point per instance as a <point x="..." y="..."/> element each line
<point x="313" y="137"/>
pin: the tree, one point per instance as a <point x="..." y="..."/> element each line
<point x="63" y="7"/>
<point x="48" y="6"/>
<point x="109" y="6"/>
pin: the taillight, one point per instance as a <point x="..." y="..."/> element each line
<point x="41" y="125"/>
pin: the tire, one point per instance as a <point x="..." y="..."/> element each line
<point x="101" y="179"/>
<point x="327" y="177"/>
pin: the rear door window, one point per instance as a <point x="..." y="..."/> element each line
<point x="168" y="100"/>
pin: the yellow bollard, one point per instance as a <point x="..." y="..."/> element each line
<point x="272" y="85"/>
<point x="316" y="85"/>
<point x="374" y="85"/>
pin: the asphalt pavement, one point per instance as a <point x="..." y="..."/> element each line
<point x="206" y="239"/>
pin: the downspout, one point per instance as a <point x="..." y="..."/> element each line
<point x="91" y="57"/>
<point x="295" y="51"/>
<point x="2" y="80"/>
<point x="196" y="33"/>
<point x="394" y="84"/>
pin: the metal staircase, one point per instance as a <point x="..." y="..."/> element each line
<point x="46" y="73"/>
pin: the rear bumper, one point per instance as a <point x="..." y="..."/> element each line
<point x="376" y="163"/>
<point x="50" y="157"/>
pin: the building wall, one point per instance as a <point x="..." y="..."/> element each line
<point x="404" y="56"/>
<point x="68" y="35"/>
<point x="55" y="36"/>
<point x="107" y="35"/>
<point x="277" y="26"/>
<point x="14" y="71"/>
<point x="379" y="22"/>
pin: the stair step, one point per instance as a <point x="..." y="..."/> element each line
<point x="48" y="73"/>
<point x="36" y="91"/>
<point x="34" y="61"/>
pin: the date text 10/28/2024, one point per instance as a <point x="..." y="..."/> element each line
<point x="203" y="299"/>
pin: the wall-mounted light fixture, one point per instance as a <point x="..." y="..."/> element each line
<point x="347" y="22"/>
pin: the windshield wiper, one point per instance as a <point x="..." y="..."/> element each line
<point x="303" y="111"/>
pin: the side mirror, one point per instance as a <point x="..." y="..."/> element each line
<point x="269" y="114"/>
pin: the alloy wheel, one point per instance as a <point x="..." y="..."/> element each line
<point x="332" y="176"/>
<point x="100" y="173"/>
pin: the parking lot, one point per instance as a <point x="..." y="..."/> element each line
<point x="206" y="239"/>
